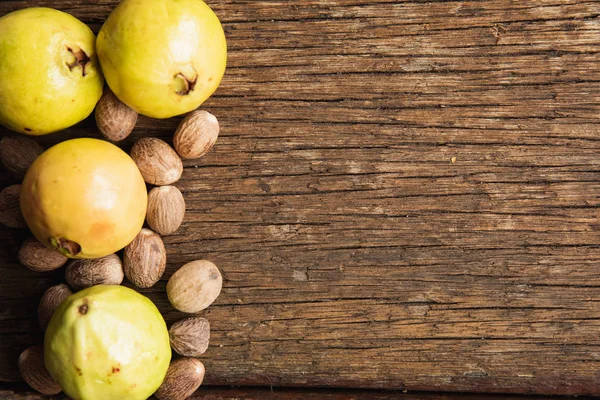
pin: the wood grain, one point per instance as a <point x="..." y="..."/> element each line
<point x="258" y="393"/>
<point x="404" y="195"/>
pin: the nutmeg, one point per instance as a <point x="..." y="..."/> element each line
<point x="166" y="209"/>
<point x="184" y="377"/>
<point x="10" y="207"/>
<point x="34" y="372"/>
<point x="37" y="257"/>
<point x="194" y="286"/>
<point x="50" y="301"/>
<point x="190" y="336"/>
<point x="114" y="119"/>
<point x="17" y="153"/>
<point x="196" y="134"/>
<point x="157" y="161"/>
<point x="84" y="273"/>
<point x="144" y="259"/>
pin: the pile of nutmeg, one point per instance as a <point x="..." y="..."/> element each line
<point x="191" y="289"/>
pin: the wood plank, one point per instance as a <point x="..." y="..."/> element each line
<point x="257" y="393"/>
<point x="404" y="195"/>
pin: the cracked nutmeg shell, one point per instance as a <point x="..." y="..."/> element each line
<point x="184" y="377"/>
<point x="37" y="257"/>
<point x="144" y="259"/>
<point x="157" y="161"/>
<point x="34" y="372"/>
<point x="190" y="336"/>
<point x="114" y="119"/>
<point x="166" y="209"/>
<point x="196" y="134"/>
<point x="17" y="153"/>
<point x="84" y="273"/>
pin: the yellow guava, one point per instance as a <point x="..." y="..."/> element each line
<point x="49" y="75"/>
<point x="107" y="343"/>
<point x="84" y="197"/>
<point x="162" y="57"/>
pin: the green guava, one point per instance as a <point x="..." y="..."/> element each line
<point x="162" y="57"/>
<point x="49" y="75"/>
<point x="107" y="342"/>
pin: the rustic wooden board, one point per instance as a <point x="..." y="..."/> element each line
<point x="404" y="195"/>
<point x="258" y="393"/>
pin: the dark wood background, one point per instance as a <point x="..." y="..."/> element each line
<point x="404" y="195"/>
<point x="264" y="393"/>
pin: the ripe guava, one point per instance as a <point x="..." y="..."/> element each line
<point x="107" y="342"/>
<point x="162" y="57"/>
<point x="84" y="197"/>
<point x="49" y="75"/>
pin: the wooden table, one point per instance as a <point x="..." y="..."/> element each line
<point x="404" y="195"/>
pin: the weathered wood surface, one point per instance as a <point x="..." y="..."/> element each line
<point x="258" y="393"/>
<point x="404" y="195"/>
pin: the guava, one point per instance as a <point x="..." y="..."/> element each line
<point x="162" y="57"/>
<point x="107" y="342"/>
<point x="49" y="74"/>
<point x="84" y="197"/>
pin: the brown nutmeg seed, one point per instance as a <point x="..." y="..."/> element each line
<point x="50" y="301"/>
<point x="190" y="336"/>
<point x="194" y="286"/>
<point x="34" y="372"/>
<point x="166" y="209"/>
<point x="157" y="161"/>
<point x="17" y="153"/>
<point x="10" y="207"/>
<point x="114" y="119"/>
<point x="81" y="274"/>
<point x="144" y="259"/>
<point x="37" y="257"/>
<point x="196" y="134"/>
<point x="184" y="377"/>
